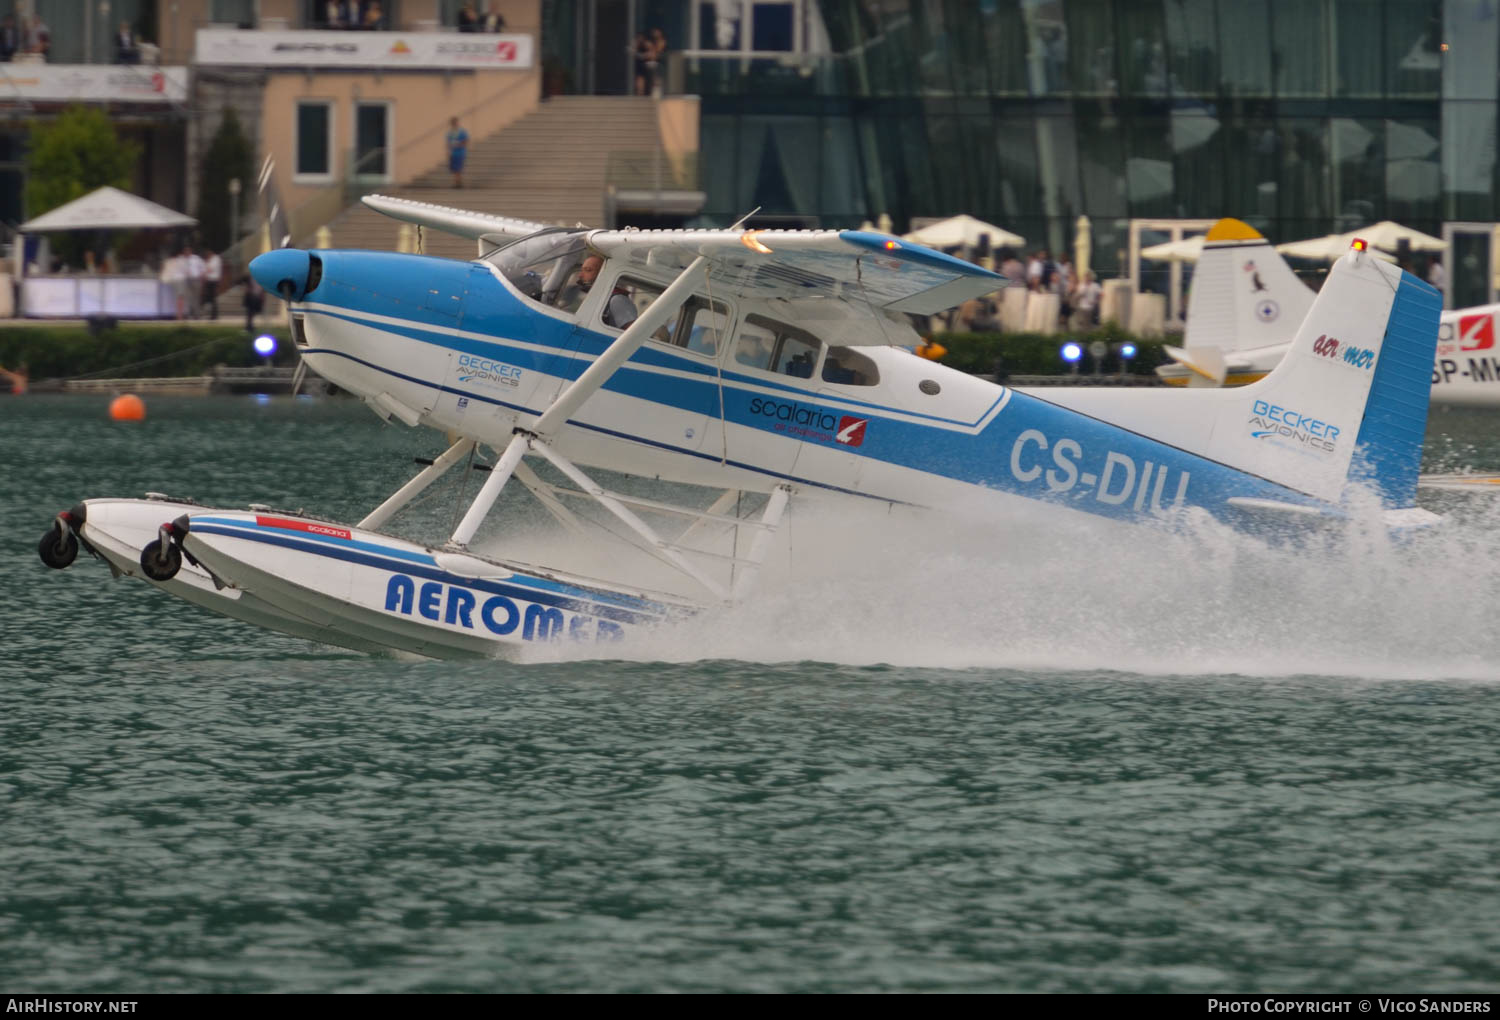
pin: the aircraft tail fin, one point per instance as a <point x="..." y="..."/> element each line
<point x="1349" y="400"/>
<point x="1244" y="294"/>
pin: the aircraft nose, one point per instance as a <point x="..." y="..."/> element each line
<point x="283" y="272"/>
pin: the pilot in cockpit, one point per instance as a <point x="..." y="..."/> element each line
<point x="620" y="310"/>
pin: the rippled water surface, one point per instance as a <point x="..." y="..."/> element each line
<point x="1019" y="755"/>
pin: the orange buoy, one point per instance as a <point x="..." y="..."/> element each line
<point x="127" y="407"/>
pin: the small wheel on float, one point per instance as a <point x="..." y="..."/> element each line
<point x="161" y="562"/>
<point x="58" y="547"/>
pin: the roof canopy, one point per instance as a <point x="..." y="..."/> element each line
<point x="108" y="209"/>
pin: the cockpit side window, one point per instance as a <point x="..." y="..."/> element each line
<point x="756" y="344"/>
<point x="848" y="367"/>
<point x="777" y="347"/>
<point x="628" y="298"/>
<point x="700" y="327"/>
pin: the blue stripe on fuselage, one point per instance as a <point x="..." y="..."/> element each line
<point x="1032" y="448"/>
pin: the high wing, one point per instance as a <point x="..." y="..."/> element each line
<point x="453" y="221"/>
<point x="851" y="265"/>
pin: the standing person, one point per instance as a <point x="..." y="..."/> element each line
<point x="254" y="299"/>
<point x="38" y="37"/>
<point x="1063" y="286"/>
<point x="641" y="51"/>
<point x="658" y="59"/>
<point x="458" y="150"/>
<point x="1011" y="268"/>
<point x="468" y="17"/>
<point x="127" y="46"/>
<point x="1436" y="274"/>
<point x="193" y="269"/>
<point x="10" y="38"/>
<point x="171" y="275"/>
<point x="492" y="20"/>
<point x="1086" y="301"/>
<point x="213" y="272"/>
<point x="374" y="17"/>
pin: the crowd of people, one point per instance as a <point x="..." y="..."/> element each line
<point x="1078" y="294"/>
<point x="194" y="274"/>
<point x="354" y="14"/>
<point x="27" y="37"/>
<point x="471" y="19"/>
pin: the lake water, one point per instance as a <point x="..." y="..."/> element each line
<point x="1026" y="755"/>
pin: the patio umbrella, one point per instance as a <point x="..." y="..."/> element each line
<point x="1388" y="235"/>
<point x="1186" y="250"/>
<point x="1328" y="248"/>
<point x="964" y="231"/>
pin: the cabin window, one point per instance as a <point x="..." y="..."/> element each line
<point x="628" y="298"/>
<point x="776" y="347"/>
<point x="848" y="367"/>
<point x="700" y="327"/>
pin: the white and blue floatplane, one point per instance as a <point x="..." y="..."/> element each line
<point x="761" y="364"/>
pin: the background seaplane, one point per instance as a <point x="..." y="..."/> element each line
<point x="1246" y="304"/>
<point x="767" y="364"/>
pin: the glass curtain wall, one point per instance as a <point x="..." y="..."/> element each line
<point x="1299" y="116"/>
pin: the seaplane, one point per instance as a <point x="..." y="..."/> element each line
<point x="760" y="367"/>
<point x="1246" y="304"/>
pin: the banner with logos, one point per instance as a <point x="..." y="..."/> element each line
<point x="384" y="50"/>
<point x="84" y="83"/>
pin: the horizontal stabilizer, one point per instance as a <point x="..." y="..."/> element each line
<point x="1207" y="362"/>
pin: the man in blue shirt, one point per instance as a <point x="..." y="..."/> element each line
<point x="458" y="148"/>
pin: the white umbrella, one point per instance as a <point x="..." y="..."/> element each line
<point x="1327" y="249"/>
<point x="109" y="209"/>
<point x="964" y="231"/>
<point x="1186" y="250"/>
<point x="1389" y="235"/>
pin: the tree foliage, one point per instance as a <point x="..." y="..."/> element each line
<point x="74" y="155"/>
<point x="229" y="155"/>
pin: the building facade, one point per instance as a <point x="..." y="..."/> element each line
<point x="1299" y="116"/>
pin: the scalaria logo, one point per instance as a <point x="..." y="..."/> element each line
<point x="851" y="431"/>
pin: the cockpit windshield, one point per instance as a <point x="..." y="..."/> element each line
<point x="540" y="264"/>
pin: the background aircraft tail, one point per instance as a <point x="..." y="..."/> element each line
<point x="1244" y="294"/>
<point x="1349" y="400"/>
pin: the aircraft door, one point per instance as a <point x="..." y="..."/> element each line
<point x="769" y="364"/>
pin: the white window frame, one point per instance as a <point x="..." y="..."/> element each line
<point x="390" y="137"/>
<point x="323" y="178"/>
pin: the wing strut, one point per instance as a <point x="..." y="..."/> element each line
<point x="413" y="488"/>
<point x="640" y="527"/>
<point x="579" y="390"/>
